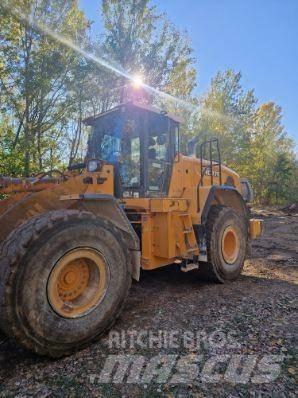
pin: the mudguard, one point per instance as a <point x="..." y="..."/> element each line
<point x="227" y="196"/>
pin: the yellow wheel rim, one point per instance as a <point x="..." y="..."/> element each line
<point x="77" y="283"/>
<point x="230" y="245"/>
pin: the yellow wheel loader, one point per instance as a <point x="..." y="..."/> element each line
<point x="72" y="242"/>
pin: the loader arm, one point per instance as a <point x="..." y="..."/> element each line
<point x="29" y="198"/>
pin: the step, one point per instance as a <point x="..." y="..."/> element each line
<point x="192" y="249"/>
<point x="189" y="267"/>
<point x="203" y="257"/>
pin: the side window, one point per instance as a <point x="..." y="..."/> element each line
<point x="110" y="148"/>
<point x="129" y="164"/>
<point x="158" y="146"/>
<point x="159" y="155"/>
<point x="135" y="149"/>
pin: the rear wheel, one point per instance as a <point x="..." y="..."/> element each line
<point x="226" y="245"/>
<point x="64" y="278"/>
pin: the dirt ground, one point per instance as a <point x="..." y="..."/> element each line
<point x="258" y="311"/>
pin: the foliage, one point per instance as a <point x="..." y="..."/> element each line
<point x="10" y="156"/>
<point x="141" y="41"/>
<point x="252" y="139"/>
<point x="36" y="73"/>
<point x="47" y="89"/>
<point x="284" y="182"/>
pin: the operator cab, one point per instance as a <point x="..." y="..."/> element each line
<point x="141" y="143"/>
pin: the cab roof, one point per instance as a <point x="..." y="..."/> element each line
<point x="89" y="121"/>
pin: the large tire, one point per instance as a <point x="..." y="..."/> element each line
<point x="28" y="258"/>
<point x="227" y="236"/>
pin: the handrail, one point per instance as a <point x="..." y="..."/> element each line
<point x="213" y="162"/>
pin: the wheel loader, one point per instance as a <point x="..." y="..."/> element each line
<point x="71" y="242"/>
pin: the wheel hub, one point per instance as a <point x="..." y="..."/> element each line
<point x="230" y="245"/>
<point x="77" y="282"/>
<point x="73" y="279"/>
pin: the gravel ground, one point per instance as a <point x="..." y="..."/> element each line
<point x="253" y="317"/>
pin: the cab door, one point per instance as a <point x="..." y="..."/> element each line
<point x="160" y="154"/>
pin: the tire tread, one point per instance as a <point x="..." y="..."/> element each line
<point x="14" y="248"/>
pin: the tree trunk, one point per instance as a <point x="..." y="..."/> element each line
<point x="27" y="133"/>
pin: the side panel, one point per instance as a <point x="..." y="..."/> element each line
<point x="167" y="233"/>
<point x="186" y="183"/>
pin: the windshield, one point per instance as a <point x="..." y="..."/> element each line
<point x="120" y="143"/>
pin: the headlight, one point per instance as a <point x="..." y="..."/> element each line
<point x="94" y="165"/>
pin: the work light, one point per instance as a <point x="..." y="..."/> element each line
<point x="94" y="165"/>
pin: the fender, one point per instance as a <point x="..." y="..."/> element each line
<point x="108" y="208"/>
<point x="63" y="196"/>
<point x="227" y="196"/>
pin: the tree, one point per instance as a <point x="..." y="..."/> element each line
<point x="225" y="113"/>
<point x="11" y="159"/>
<point x="268" y="141"/>
<point x="284" y="174"/>
<point x="36" y="73"/>
<point x="135" y="39"/>
<point x="46" y="90"/>
<point x="139" y="40"/>
<point x="252" y="138"/>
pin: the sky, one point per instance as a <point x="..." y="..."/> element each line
<point x="257" y="37"/>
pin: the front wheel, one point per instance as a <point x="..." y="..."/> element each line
<point x="64" y="280"/>
<point x="226" y="244"/>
